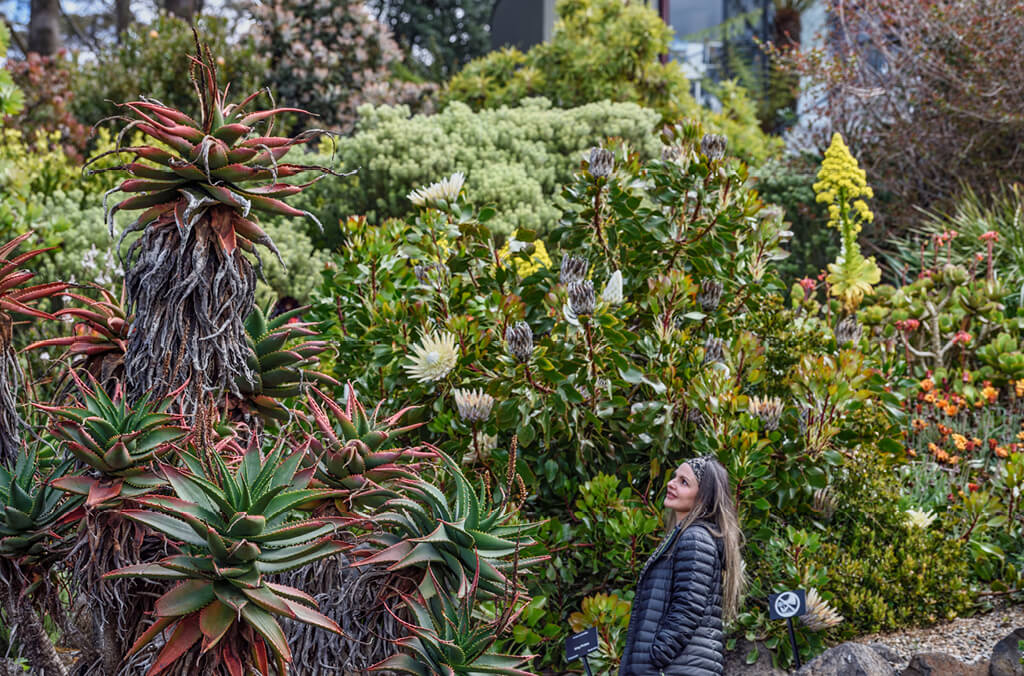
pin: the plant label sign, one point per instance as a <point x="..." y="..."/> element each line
<point x="787" y="604"/>
<point x="581" y="644"/>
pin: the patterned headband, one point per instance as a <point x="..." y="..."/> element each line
<point x="698" y="465"/>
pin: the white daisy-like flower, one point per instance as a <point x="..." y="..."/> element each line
<point x="444" y="190"/>
<point x="434" y="357"/>
<point x="613" y="289"/>
<point x="474" y="405"/>
<point x="918" y="519"/>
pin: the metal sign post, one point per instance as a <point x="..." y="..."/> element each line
<point x="578" y="646"/>
<point x="785" y="606"/>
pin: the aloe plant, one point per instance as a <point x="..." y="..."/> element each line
<point x="97" y="341"/>
<point x="466" y="541"/>
<point x="36" y="518"/>
<point x="16" y="298"/>
<point x="186" y="279"/>
<point x="280" y="367"/>
<point x="235" y="528"/>
<point x="447" y="640"/>
<point x="36" y="524"/>
<point x="116" y="442"/>
<point x="355" y="452"/>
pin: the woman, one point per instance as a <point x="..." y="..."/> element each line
<point x="692" y="581"/>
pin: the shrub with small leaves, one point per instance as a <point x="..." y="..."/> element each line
<point x="330" y="58"/>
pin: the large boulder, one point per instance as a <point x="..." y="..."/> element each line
<point x="941" y="664"/>
<point x="848" y="659"/>
<point x="1006" y="656"/>
<point x="736" y="661"/>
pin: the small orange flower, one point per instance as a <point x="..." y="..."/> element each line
<point x="990" y="393"/>
<point x="1001" y="452"/>
<point x="942" y="403"/>
<point x="912" y="453"/>
<point x="1020" y="435"/>
<point x="976" y="441"/>
<point x="1018" y="388"/>
<point x="919" y="425"/>
<point x="973" y="487"/>
<point x="927" y="384"/>
<point x="979" y="403"/>
<point x="943" y="430"/>
<point x="992" y="443"/>
<point x="930" y="397"/>
<point x="951" y="410"/>
<point x="960" y="441"/>
<point x="954" y="460"/>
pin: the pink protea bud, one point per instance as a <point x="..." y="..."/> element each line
<point x="908" y="325"/>
<point x="991" y="235"/>
<point x="961" y="337"/>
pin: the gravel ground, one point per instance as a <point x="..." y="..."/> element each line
<point x="970" y="639"/>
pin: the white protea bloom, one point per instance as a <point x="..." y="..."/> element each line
<point x="473" y="405"/>
<point x="434" y="357"/>
<point x="613" y="289"/>
<point x="444" y="190"/>
<point x="915" y="518"/>
<point x="820" y="615"/>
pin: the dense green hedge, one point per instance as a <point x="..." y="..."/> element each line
<point x="513" y="158"/>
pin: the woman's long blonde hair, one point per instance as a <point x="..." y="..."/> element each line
<point x="714" y="504"/>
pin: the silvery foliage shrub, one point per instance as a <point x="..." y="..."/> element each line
<point x="516" y="159"/>
<point x="330" y="57"/>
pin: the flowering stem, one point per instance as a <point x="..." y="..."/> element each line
<point x="590" y="356"/>
<point x="596" y="222"/>
<point x="537" y="386"/>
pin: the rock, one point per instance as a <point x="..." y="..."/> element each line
<point x="941" y="664"/>
<point x="886" y="653"/>
<point x="736" y="661"/>
<point x="1006" y="656"/>
<point x="848" y="659"/>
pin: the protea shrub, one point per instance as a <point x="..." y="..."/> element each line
<point x="187" y="280"/>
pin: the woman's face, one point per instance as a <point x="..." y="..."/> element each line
<point x="682" y="490"/>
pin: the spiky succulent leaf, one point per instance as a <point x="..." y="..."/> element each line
<point x="235" y="526"/>
<point x="36" y="518"/>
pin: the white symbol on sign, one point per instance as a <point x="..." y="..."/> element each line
<point x="787" y="604"/>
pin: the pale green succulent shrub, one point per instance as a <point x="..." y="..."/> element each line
<point x="514" y="158"/>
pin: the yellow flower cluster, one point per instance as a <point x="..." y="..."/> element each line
<point x="524" y="268"/>
<point x="841" y="181"/>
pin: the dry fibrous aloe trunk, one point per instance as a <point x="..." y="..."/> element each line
<point x="26" y="626"/>
<point x="190" y="299"/>
<point x="354" y="599"/>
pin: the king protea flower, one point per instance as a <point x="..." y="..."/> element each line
<point x="445" y="190"/>
<point x="434" y="358"/>
<point x="473" y="405"/>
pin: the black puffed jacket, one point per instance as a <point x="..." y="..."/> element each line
<point x="675" y="627"/>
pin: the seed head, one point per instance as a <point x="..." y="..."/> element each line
<point x="574" y="268"/>
<point x="713" y="146"/>
<point x="601" y="162"/>
<point x="710" y="294"/>
<point x="848" y="330"/>
<point x="714" y="350"/>
<point x="519" y="341"/>
<point x="582" y="298"/>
